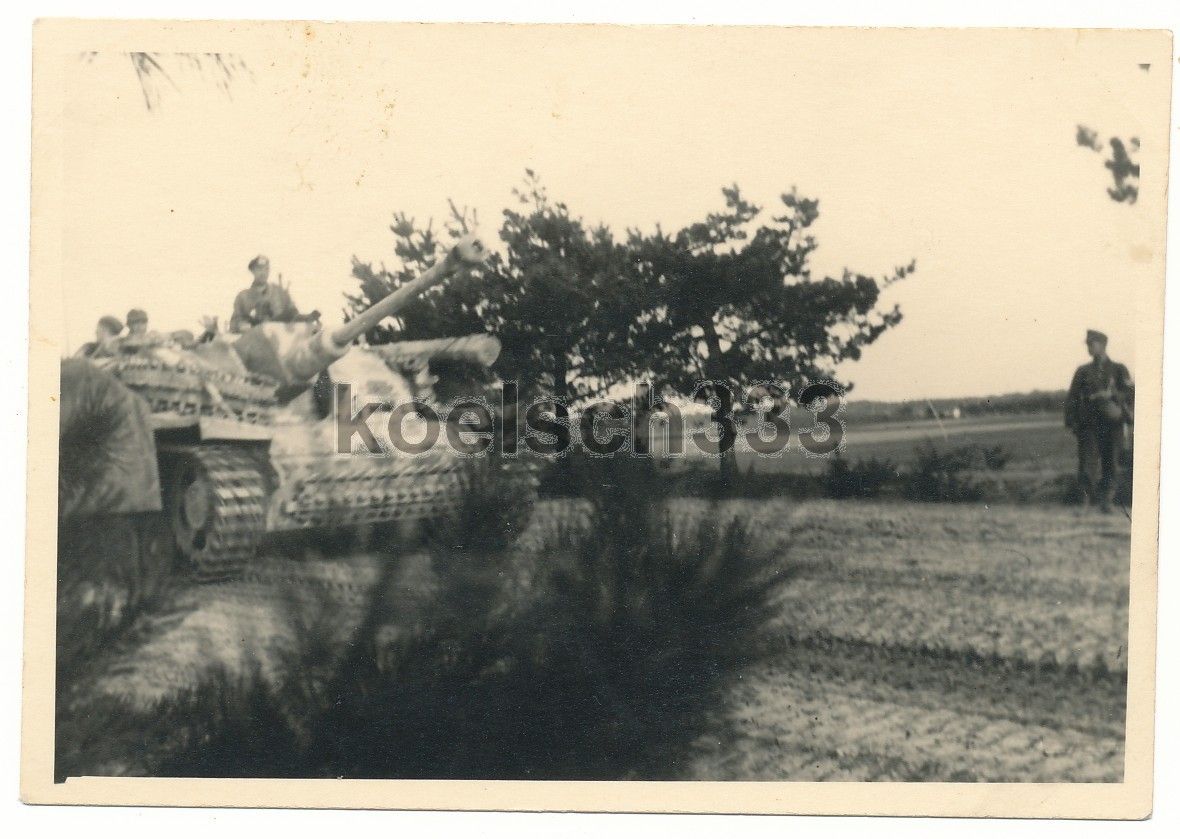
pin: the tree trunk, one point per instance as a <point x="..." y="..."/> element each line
<point x="715" y="369"/>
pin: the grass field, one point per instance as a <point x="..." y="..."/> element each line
<point x="1035" y="460"/>
<point x="913" y="642"/>
<point x="1037" y="443"/>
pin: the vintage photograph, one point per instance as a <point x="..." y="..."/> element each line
<point x="596" y="403"/>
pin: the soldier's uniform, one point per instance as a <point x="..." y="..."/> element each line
<point x="263" y="301"/>
<point x="259" y="304"/>
<point x="1099" y="410"/>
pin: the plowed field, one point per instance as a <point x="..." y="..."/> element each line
<point x="939" y="642"/>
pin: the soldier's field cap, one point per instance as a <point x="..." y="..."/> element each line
<point x="136" y="316"/>
<point x="1095" y="335"/>
<point x="112" y="323"/>
<point x="257" y="261"/>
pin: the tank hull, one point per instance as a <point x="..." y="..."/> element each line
<point x="233" y="464"/>
<point x="242" y="431"/>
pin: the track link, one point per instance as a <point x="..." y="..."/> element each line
<point x="218" y="509"/>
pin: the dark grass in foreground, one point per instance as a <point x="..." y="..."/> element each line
<point x="601" y="654"/>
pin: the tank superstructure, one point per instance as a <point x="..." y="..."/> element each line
<point x="244" y="433"/>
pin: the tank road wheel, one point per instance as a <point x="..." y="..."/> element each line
<point x="217" y="509"/>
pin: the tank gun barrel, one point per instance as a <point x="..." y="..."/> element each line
<point x="307" y="360"/>
<point x="468" y="252"/>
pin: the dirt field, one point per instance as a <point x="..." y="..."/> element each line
<point x="945" y="642"/>
<point x="932" y="642"/>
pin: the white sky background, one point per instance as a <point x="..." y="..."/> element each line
<point x="964" y="160"/>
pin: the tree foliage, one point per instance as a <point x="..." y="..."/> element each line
<point x="558" y="296"/>
<point x="152" y="71"/>
<point x="1123" y="168"/>
<point x="738" y="304"/>
<point x="454" y="309"/>
<point x="731" y="298"/>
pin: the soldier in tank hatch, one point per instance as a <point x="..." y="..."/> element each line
<point x="106" y="339"/>
<point x="263" y="301"/>
<point x="138" y="335"/>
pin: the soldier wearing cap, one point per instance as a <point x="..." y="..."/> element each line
<point x="137" y="323"/>
<point x="262" y="301"/>
<point x="138" y="335"/>
<point x="1099" y="410"/>
<point x="106" y="338"/>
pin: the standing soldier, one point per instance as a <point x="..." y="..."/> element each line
<point x="262" y="301"/>
<point x="1099" y="410"/>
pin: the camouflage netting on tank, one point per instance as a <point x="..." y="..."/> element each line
<point x="107" y="452"/>
<point x="189" y="388"/>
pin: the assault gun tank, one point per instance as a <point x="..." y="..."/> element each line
<point x="237" y="437"/>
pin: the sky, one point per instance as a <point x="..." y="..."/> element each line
<point x="953" y="149"/>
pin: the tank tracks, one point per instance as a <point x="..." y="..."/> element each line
<point x="217" y="508"/>
<point x="218" y="496"/>
<point x="363" y="491"/>
<point x="371" y="493"/>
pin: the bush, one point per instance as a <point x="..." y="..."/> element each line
<point x="995" y="458"/>
<point x="566" y="476"/>
<point x="224" y="727"/>
<point x="607" y="666"/>
<point x="944" y="476"/>
<point x="607" y="670"/>
<point x="111" y="570"/>
<point x="864" y="479"/>
<point x="496" y="504"/>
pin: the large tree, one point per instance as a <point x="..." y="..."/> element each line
<point x="454" y="309"/>
<point x="740" y="305"/>
<point x="734" y="302"/>
<point x="559" y="295"/>
<point x="730" y="299"/>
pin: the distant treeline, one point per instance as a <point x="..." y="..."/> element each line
<point x="970" y="406"/>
